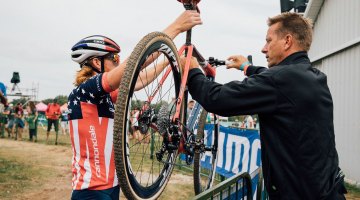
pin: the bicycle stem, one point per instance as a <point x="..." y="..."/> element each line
<point x="188" y="6"/>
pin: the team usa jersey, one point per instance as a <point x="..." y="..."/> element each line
<point x="91" y="118"/>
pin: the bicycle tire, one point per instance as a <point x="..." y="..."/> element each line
<point x="132" y="182"/>
<point x="204" y="176"/>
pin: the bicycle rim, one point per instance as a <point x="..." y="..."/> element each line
<point x="140" y="174"/>
<point x="205" y="161"/>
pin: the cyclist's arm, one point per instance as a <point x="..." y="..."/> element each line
<point x="148" y="75"/>
<point x="184" y="22"/>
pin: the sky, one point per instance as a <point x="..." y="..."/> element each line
<point x="36" y="36"/>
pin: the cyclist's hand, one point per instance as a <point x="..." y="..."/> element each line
<point x="193" y="63"/>
<point x="187" y="20"/>
<point x="236" y="61"/>
<point x="184" y="22"/>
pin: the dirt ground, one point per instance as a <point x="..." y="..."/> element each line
<point x="51" y="178"/>
<point x="48" y="173"/>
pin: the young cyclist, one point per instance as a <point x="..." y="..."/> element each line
<point x="91" y="110"/>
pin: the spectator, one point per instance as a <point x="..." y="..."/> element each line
<point x="11" y="121"/>
<point x="190" y="106"/>
<point x="3" y="119"/>
<point x="19" y="122"/>
<point x="255" y="122"/>
<point x="33" y="109"/>
<point x="249" y="122"/>
<point x="52" y="115"/>
<point x="2" y="93"/>
<point x="3" y="104"/>
<point x="64" y="122"/>
<point x="136" y="135"/>
<point x="31" y="119"/>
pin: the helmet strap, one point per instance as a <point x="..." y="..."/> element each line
<point x="102" y="65"/>
<point x="87" y="63"/>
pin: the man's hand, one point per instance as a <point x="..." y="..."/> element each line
<point x="236" y="62"/>
<point x="184" y="22"/>
<point x="193" y="63"/>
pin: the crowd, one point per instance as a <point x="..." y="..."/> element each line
<point x="16" y="119"/>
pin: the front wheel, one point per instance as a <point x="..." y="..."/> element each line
<point x="151" y="79"/>
<point x="205" y="158"/>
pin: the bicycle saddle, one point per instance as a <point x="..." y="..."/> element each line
<point x="194" y="2"/>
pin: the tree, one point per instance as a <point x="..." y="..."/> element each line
<point x="61" y="99"/>
<point x="22" y="100"/>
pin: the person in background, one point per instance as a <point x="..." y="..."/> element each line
<point x="3" y="104"/>
<point x="31" y="121"/>
<point x="11" y="121"/>
<point x="64" y="122"/>
<point x="136" y="135"/>
<point x="33" y="109"/>
<point x="19" y="122"/>
<point x="3" y="119"/>
<point x="249" y="122"/>
<point x="295" y="110"/>
<point x="91" y="109"/>
<point x="190" y="106"/>
<point x="255" y="123"/>
<point x="3" y="95"/>
<point x="52" y="115"/>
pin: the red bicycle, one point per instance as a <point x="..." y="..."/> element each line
<point x="146" y="157"/>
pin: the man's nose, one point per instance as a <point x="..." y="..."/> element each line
<point x="264" y="50"/>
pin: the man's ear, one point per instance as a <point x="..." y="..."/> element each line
<point x="289" y="40"/>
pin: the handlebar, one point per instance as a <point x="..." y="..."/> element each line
<point x="210" y="65"/>
<point x="215" y="62"/>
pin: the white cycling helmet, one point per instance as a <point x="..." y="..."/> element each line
<point x="93" y="46"/>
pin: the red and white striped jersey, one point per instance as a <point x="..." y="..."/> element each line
<point x="91" y="118"/>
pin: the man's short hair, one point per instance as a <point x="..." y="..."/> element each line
<point x="296" y="25"/>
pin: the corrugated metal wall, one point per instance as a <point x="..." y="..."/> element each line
<point x="338" y="23"/>
<point x="343" y="71"/>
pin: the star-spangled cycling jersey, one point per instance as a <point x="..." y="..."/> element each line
<point x="91" y="117"/>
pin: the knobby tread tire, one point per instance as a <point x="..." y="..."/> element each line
<point x="119" y="138"/>
<point x="199" y="135"/>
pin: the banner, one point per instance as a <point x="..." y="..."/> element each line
<point x="238" y="150"/>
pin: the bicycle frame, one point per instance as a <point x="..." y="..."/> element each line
<point x="190" y="50"/>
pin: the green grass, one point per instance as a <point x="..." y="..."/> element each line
<point x="63" y="140"/>
<point x="15" y="177"/>
<point x="352" y="189"/>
